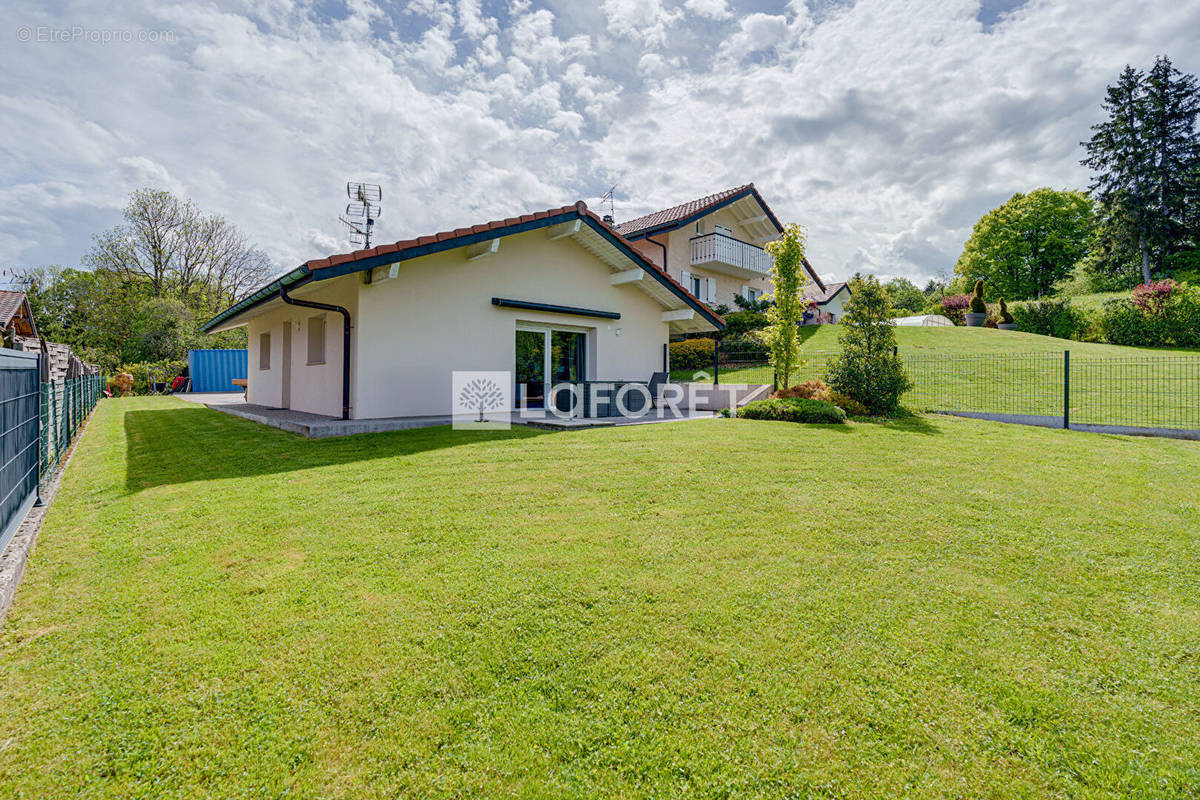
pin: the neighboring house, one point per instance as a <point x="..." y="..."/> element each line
<point x="59" y="361"/>
<point x="16" y="318"/>
<point x="553" y="296"/>
<point x="713" y="246"/>
<point x="826" y="306"/>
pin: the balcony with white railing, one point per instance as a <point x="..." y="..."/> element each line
<point x="722" y="253"/>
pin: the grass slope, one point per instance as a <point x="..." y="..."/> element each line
<point x="989" y="370"/>
<point x="718" y="608"/>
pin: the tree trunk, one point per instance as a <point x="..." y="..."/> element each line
<point x="1145" y="260"/>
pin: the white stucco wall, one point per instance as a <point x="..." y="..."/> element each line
<point x="837" y="304"/>
<point x="315" y="388"/>
<point x="437" y="316"/>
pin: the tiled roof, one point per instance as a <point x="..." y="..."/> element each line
<point x="442" y="236"/>
<point x="10" y="304"/>
<point x="823" y="297"/>
<point x="673" y="214"/>
<point x="579" y="209"/>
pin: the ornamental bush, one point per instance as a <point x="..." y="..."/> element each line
<point x="978" y="306"/>
<point x="867" y="370"/>
<point x="953" y="306"/>
<point x="814" y="389"/>
<point x="796" y="409"/>
<point x="1006" y="318"/>
<point x="692" y="354"/>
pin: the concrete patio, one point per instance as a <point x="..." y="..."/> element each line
<point x="317" y="426"/>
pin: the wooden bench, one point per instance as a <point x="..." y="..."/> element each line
<point x="239" y="382"/>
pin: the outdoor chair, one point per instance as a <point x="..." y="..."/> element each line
<point x="657" y="381"/>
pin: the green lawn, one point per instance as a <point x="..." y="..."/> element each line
<point x="988" y="370"/>
<point x="717" y="608"/>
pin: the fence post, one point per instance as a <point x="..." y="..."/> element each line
<point x="716" y="362"/>
<point x="39" y="502"/>
<point x="1067" y="389"/>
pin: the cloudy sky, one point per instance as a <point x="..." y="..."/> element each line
<point x="885" y="127"/>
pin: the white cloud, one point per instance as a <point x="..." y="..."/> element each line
<point x="713" y="9"/>
<point x="646" y="21"/>
<point x="886" y="130"/>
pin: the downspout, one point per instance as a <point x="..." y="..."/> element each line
<point x="664" y="249"/>
<point x="283" y="295"/>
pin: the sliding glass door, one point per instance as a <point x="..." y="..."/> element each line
<point x="547" y="356"/>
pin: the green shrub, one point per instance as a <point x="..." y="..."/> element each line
<point x="977" y="304"/>
<point x="1006" y="318"/>
<point x="692" y="354"/>
<point x="740" y="323"/>
<point x="852" y="407"/>
<point x="867" y="369"/>
<point x="1057" y="317"/>
<point x="1173" y="322"/>
<point x="793" y="410"/>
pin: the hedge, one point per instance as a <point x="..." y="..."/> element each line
<point x="793" y="410"/>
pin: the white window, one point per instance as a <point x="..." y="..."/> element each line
<point x="752" y="294"/>
<point x="264" y="351"/>
<point x="316" y="340"/>
<point x="699" y="227"/>
<point x="710" y="290"/>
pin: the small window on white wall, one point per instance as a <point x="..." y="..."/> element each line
<point x="264" y="351"/>
<point x="316" y="340"/>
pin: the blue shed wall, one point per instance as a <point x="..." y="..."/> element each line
<point x="215" y="370"/>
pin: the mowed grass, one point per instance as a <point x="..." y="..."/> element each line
<point x="989" y="370"/>
<point x="716" y="608"/>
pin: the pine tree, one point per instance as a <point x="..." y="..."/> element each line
<point x="1145" y="160"/>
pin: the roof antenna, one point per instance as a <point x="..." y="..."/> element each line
<point x="364" y="209"/>
<point x="608" y="197"/>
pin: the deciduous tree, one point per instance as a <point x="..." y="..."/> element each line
<point x="1031" y="241"/>
<point x="788" y="277"/>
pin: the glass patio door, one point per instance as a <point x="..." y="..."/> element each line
<point x="531" y="368"/>
<point x="547" y="356"/>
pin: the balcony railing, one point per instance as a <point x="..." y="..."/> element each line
<point x="717" y="248"/>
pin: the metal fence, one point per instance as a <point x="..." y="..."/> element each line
<point x="1145" y="393"/>
<point x="18" y="439"/>
<point x="64" y="407"/>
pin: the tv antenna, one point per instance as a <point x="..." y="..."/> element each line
<point x="362" y="211"/>
<point x="608" y="198"/>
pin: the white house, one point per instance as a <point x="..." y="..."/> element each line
<point x="553" y="296"/>
<point x="826" y="305"/>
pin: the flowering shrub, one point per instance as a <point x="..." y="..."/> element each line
<point x="954" y="306"/>
<point x="1154" y="316"/>
<point x="1151" y="298"/>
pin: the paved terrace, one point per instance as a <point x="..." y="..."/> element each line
<point x="318" y="426"/>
